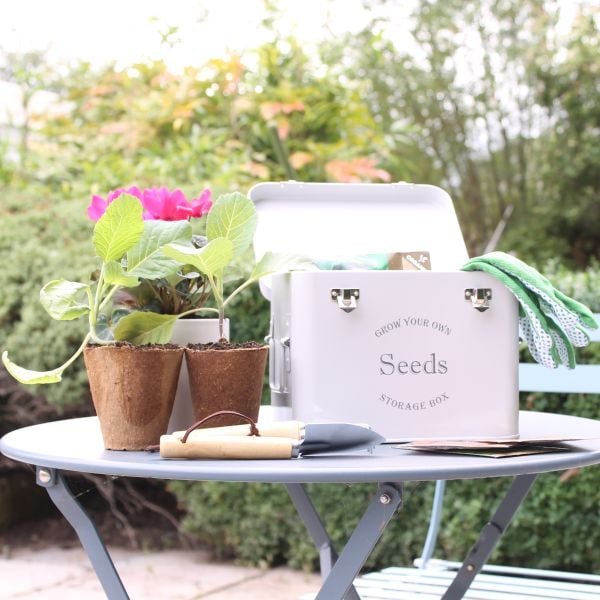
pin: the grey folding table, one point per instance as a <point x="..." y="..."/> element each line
<point x="76" y="445"/>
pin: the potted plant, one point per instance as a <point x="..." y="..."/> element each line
<point x="132" y="379"/>
<point x="226" y="376"/>
<point x="182" y="292"/>
<point x="132" y="368"/>
<point x="222" y="376"/>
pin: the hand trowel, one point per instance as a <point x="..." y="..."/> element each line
<point x="285" y="439"/>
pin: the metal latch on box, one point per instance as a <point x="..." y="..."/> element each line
<point x="346" y="298"/>
<point x="479" y="297"/>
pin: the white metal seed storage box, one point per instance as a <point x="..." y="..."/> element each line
<point x="414" y="354"/>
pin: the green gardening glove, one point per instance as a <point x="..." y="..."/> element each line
<point x="533" y="323"/>
<point x="572" y="316"/>
<point x="545" y="311"/>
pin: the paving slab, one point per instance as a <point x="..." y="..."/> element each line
<point x="22" y="573"/>
<point x="66" y="574"/>
<point x="280" y="583"/>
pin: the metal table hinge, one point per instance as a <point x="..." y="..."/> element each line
<point x="346" y="298"/>
<point x="479" y="297"/>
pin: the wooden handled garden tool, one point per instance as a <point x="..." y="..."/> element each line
<point x="287" y="439"/>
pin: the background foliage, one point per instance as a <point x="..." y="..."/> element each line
<point x="491" y="100"/>
<point x="255" y="522"/>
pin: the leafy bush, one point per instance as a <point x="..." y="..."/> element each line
<point x="38" y="242"/>
<point x="355" y="115"/>
<point x="583" y="285"/>
<point x="258" y="525"/>
<point x="255" y="522"/>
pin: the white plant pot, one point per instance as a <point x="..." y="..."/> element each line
<point x="190" y="331"/>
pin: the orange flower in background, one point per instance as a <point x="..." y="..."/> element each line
<point x="274" y="112"/>
<point x="256" y="170"/>
<point x="283" y="128"/>
<point x="356" y="170"/>
<point x="293" y="107"/>
<point x="116" y="128"/>
<point x="129" y="135"/>
<point x="269" y="110"/>
<point x="100" y="90"/>
<point x="301" y="159"/>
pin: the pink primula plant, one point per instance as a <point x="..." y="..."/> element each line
<point x="154" y="272"/>
<point x="177" y="292"/>
<point x="158" y="203"/>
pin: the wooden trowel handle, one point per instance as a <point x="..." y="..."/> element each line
<point x="226" y="447"/>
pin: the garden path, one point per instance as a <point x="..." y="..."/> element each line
<point x="55" y="573"/>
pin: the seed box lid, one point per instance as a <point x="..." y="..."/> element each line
<point x="342" y="220"/>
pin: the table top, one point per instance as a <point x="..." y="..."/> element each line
<point x="76" y="445"/>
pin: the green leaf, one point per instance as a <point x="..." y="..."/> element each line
<point x="276" y="263"/>
<point x="59" y="298"/>
<point x="145" y="328"/>
<point x="119" y="228"/>
<point x="30" y="377"/>
<point x="146" y="259"/>
<point x="209" y="259"/>
<point x="233" y="216"/>
<point x="115" y="275"/>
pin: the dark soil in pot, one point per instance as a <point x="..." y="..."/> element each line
<point x="133" y="389"/>
<point x="226" y="376"/>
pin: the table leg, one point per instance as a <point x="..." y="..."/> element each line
<point x="316" y="529"/>
<point x="60" y="494"/>
<point x="343" y="570"/>
<point x="490" y="536"/>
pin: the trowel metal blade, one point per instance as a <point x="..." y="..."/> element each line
<point x="331" y="437"/>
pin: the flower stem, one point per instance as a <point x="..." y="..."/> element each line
<point x="237" y="291"/>
<point x="216" y="285"/>
<point x="95" y="307"/>
<point x="108" y="297"/>
<point x="79" y="350"/>
<point x="101" y="299"/>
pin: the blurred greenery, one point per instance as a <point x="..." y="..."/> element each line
<point x="556" y="514"/>
<point x="489" y="99"/>
<point x="41" y="241"/>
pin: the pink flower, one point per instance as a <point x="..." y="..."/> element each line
<point x="173" y="206"/>
<point x="202" y="204"/>
<point x="98" y="206"/>
<point x="159" y="203"/>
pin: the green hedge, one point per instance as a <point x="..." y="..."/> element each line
<point x="40" y="241"/>
<point x="257" y="524"/>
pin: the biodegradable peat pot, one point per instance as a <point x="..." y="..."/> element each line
<point x="133" y="388"/>
<point x="226" y="378"/>
<point x="190" y="331"/>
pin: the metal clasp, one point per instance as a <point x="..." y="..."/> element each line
<point x="479" y="297"/>
<point x="346" y="298"/>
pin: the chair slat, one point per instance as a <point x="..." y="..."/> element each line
<point x="398" y="583"/>
<point x="584" y="379"/>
